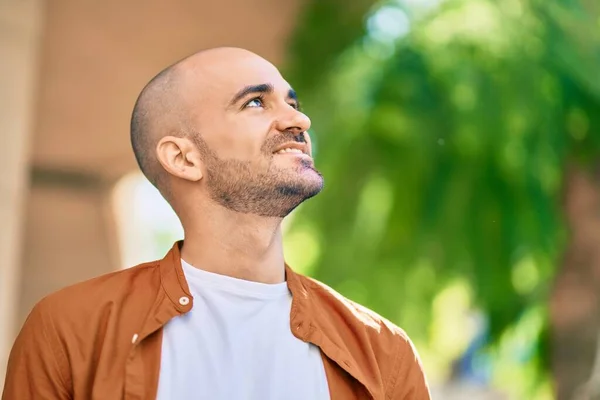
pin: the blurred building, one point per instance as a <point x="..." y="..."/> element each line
<point x="70" y="72"/>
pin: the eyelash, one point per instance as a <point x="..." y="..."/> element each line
<point x="261" y="98"/>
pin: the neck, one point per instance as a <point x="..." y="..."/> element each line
<point x="242" y="246"/>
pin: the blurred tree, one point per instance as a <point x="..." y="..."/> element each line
<point x="460" y="142"/>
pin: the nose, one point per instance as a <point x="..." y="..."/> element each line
<point x="293" y="120"/>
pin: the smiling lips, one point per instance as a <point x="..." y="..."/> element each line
<point x="292" y="148"/>
<point x="289" y="150"/>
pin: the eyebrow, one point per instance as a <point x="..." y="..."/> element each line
<point x="263" y="88"/>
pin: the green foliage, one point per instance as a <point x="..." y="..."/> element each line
<point x="324" y="32"/>
<point x="443" y="152"/>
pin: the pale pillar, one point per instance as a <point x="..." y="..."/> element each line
<point x="70" y="234"/>
<point x="19" y="41"/>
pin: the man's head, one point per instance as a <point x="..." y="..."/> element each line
<point x="224" y="126"/>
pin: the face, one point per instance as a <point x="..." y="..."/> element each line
<point x="253" y="139"/>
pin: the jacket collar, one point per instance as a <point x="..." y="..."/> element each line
<point x="308" y="321"/>
<point x="173" y="280"/>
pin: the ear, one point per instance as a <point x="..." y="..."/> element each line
<point x="179" y="157"/>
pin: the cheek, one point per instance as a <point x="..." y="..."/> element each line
<point x="246" y="136"/>
<point x="235" y="138"/>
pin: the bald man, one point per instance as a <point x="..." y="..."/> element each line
<point x="221" y="316"/>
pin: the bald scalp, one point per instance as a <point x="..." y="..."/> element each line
<point x="161" y="109"/>
<point x="157" y="113"/>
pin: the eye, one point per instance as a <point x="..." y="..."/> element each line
<point x="255" y="102"/>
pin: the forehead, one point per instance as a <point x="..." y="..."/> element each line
<point x="222" y="78"/>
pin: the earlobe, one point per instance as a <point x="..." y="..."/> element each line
<point x="178" y="156"/>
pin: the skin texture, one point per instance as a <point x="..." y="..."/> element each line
<point x="211" y="151"/>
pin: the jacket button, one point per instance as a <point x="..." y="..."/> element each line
<point x="184" y="300"/>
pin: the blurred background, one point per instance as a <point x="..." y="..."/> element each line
<point x="459" y="140"/>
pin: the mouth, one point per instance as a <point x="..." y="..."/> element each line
<point x="293" y="148"/>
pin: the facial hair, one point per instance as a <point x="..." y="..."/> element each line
<point x="276" y="192"/>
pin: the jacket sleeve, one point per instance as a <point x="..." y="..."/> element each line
<point x="407" y="381"/>
<point x="37" y="365"/>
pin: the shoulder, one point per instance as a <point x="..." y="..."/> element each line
<point x="349" y="312"/>
<point x="94" y="307"/>
<point x="374" y="342"/>
<point x="69" y="325"/>
<point x="78" y="305"/>
<point x="109" y="286"/>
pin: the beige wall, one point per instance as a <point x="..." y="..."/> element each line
<point x="19" y="42"/>
<point x="97" y="55"/>
<point x="69" y="235"/>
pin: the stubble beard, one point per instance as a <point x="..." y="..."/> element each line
<point x="236" y="186"/>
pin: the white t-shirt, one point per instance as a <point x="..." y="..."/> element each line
<point x="236" y="344"/>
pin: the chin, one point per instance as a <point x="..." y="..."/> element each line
<point x="302" y="188"/>
<point x="295" y="190"/>
<point x="314" y="185"/>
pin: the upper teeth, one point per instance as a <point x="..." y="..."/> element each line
<point x="289" y="150"/>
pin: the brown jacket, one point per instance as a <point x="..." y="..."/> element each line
<point x="101" y="339"/>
